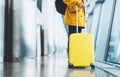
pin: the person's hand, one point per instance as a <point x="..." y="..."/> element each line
<point x="81" y="5"/>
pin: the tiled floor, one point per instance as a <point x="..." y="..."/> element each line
<point x="52" y="66"/>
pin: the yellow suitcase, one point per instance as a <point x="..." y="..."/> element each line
<point x="81" y="50"/>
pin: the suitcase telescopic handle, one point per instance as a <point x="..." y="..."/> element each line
<point x="77" y="16"/>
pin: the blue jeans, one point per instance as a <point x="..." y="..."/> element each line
<point x="72" y="29"/>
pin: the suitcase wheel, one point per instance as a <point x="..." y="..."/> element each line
<point x="92" y="66"/>
<point x="70" y="65"/>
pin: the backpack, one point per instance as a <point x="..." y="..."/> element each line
<point x="60" y="6"/>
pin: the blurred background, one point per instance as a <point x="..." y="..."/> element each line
<point x="33" y="39"/>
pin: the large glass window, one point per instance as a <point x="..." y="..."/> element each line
<point x="114" y="44"/>
<point x="1" y="28"/>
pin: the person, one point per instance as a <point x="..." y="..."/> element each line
<point x="70" y="16"/>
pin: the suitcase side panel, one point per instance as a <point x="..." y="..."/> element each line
<point x="81" y="49"/>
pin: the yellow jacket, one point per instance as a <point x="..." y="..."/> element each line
<point x="70" y="13"/>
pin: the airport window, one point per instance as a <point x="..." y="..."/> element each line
<point x="100" y="0"/>
<point x="1" y="28"/>
<point x="114" y="44"/>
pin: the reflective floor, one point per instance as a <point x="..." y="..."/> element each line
<point x="51" y="66"/>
